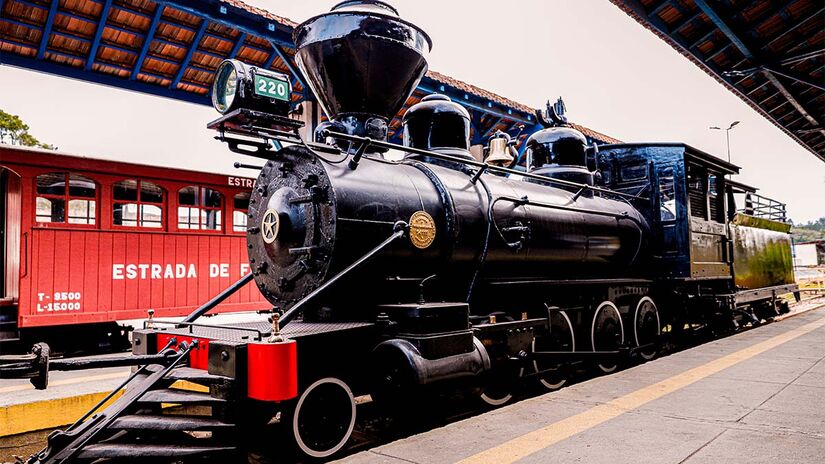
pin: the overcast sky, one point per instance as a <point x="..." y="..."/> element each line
<point x="615" y="77"/>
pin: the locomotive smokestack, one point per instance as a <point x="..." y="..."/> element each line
<point x="362" y="62"/>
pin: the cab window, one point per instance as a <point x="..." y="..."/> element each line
<point x="667" y="195"/>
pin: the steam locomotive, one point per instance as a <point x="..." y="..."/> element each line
<point x="398" y="270"/>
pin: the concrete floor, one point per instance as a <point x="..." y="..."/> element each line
<point x="756" y="397"/>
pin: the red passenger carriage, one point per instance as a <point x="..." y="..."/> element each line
<point x="88" y="242"/>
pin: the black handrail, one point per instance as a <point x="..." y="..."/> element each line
<point x="478" y="164"/>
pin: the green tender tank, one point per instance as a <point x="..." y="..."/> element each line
<point x="761" y="252"/>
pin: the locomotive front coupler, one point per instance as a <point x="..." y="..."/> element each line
<point x="36" y="365"/>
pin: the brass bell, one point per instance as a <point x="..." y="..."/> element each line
<point x="499" y="152"/>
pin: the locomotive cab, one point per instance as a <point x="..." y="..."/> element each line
<point x="703" y="238"/>
<point x="686" y="203"/>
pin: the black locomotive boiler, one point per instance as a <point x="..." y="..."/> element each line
<point x="396" y="271"/>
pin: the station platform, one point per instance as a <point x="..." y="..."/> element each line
<point x="755" y="397"/>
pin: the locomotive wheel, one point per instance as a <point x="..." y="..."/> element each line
<point x="497" y="389"/>
<point x="560" y="338"/>
<point x="607" y="332"/>
<point x="646" y="327"/>
<point x="322" y="420"/>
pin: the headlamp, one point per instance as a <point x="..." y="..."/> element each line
<point x="239" y="85"/>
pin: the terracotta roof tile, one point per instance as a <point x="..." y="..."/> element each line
<point x="594" y="134"/>
<point x="261" y="12"/>
<point x="453" y="82"/>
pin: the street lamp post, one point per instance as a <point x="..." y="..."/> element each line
<point x="727" y="134"/>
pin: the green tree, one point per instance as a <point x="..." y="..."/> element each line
<point x="814" y="230"/>
<point x="14" y="131"/>
<point x="819" y="224"/>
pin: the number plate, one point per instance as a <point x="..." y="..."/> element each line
<point x="271" y="87"/>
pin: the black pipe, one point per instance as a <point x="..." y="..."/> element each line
<point x="247" y="166"/>
<point x="218" y="299"/>
<point x="478" y="164"/>
<point x="76" y="364"/>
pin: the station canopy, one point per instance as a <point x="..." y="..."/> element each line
<point x="172" y="49"/>
<point x="769" y="53"/>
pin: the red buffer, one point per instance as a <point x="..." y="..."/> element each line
<point x="266" y="359"/>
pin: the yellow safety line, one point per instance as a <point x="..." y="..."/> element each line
<point x="76" y="380"/>
<point x="544" y="437"/>
<point x="56" y="412"/>
<point x="48" y="414"/>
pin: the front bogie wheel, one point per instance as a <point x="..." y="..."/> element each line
<point x="320" y="423"/>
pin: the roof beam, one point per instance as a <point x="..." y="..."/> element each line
<point x="147" y="40"/>
<point x="101" y="78"/>
<point x="47" y="30"/>
<point x="769" y="74"/>
<point x="226" y="13"/>
<point x="270" y="60"/>
<point x="238" y="44"/>
<point x="798" y="106"/>
<point x="703" y="38"/>
<point x="724" y="27"/>
<point x="802" y="57"/>
<point x="185" y="63"/>
<point x="515" y="116"/>
<point x="661" y="6"/>
<point x="795" y="26"/>
<point x="285" y="58"/>
<point x="104" y="16"/>
<point x="795" y="77"/>
<point x="489" y="131"/>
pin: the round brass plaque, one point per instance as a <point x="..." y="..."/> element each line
<point x="422" y="229"/>
<point x="270" y="225"/>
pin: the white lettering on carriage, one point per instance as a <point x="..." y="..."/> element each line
<point x="156" y="271"/>
<point x="240" y="182"/>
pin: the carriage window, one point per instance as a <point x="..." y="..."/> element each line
<point x="667" y="195"/>
<point x="634" y="172"/>
<point x="137" y="203"/>
<point x="65" y="198"/>
<point x="241" y="206"/>
<point x="199" y="208"/>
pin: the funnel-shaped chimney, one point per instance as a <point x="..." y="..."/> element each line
<point x="362" y="62"/>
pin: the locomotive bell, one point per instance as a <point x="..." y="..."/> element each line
<point x="362" y="62"/>
<point x="499" y="152"/>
